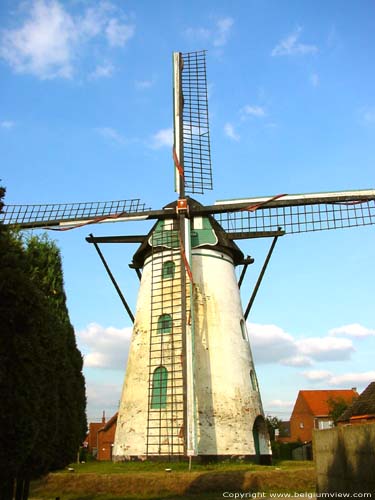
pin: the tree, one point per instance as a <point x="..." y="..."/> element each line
<point x="45" y="271"/>
<point x="42" y="421"/>
<point x="273" y="423"/>
<point x="20" y="351"/>
<point x="336" y="406"/>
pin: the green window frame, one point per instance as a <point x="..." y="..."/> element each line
<point x="168" y="269"/>
<point x="165" y="324"/>
<point x="159" y="388"/>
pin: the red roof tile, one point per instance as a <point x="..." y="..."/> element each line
<point x="111" y="421"/>
<point x="364" y="405"/>
<point x="317" y="401"/>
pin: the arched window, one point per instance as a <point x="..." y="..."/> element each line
<point x="243" y="329"/>
<point x="159" y="388"/>
<point x="165" y="323"/>
<point x="168" y="269"/>
<point x="254" y="382"/>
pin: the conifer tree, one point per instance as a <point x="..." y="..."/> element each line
<point x="42" y="421"/>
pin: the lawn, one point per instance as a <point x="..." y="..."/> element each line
<point x="183" y="466"/>
<point x="173" y="481"/>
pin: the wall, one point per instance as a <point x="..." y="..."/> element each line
<point x="345" y="459"/>
<point x="301" y="414"/>
<point x="227" y="401"/>
<point x="92" y="438"/>
<point x="105" y="442"/>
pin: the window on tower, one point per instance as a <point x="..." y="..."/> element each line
<point x="243" y="329"/>
<point x="159" y="388"/>
<point x="254" y="382"/>
<point x="165" y="323"/>
<point x="168" y="269"/>
<point x="170" y="225"/>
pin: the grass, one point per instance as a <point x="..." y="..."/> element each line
<point x="150" y="480"/>
<point x="155" y="466"/>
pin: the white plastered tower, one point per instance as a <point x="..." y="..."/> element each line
<point x="226" y="415"/>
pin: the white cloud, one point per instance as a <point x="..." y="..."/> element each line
<point x="353" y="379"/>
<point x="162" y="138"/>
<point x="7" y="124"/>
<point x="105" y="347"/>
<point x="118" y="34"/>
<point x="325" y="348"/>
<point x="94" y="19"/>
<point x="144" y="84"/>
<point x="343" y="380"/>
<point x="102" y="71"/>
<point x="314" y="79"/>
<point x="278" y="403"/>
<point x="368" y="115"/>
<point x="230" y="132"/>
<point x="43" y="46"/>
<point x="222" y="32"/>
<point x="257" y="111"/>
<point x="297" y="361"/>
<point x="102" y="397"/>
<point x="112" y="134"/>
<point x="290" y="45"/>
<point x="271" y="344"/>
<point x="217" y="35"/>
<point x="317" y="375"/>
<point x="353" y="330"/>
<point x="50" y="41"/>
<point x="199" y="33"/>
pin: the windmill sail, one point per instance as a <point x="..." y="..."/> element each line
<point x="192" y="135"/>
<point x="70" y="214"/>
<point x="296" y="213"/>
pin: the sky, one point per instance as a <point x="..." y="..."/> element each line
<point x="86" y="115"/>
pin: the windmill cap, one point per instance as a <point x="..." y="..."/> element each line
<point x="224" y="243"/>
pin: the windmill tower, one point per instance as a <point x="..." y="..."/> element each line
<point x="190" y="387"/>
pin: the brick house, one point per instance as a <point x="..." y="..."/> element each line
<point x="106" y="438"/>
<point x="91" y="440"/>
<point x="100" y="438"/>
<point x="312" y="411"/>
<point x="362" y="411"/>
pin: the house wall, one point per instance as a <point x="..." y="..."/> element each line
<point x="92" y="437"/>
<point x="359" y="420"/>
<point x="105" y="443"/>
<point x="345" y="458"/>
<point x="301" y="415"/>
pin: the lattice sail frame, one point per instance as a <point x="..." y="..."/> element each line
<point x="191" y="125"/>
<point x="301" y="213"/>
<point x="54" y="214"/>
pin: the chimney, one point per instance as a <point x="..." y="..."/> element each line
<point x="103" y="417"/>
<point x="354" y="389"/>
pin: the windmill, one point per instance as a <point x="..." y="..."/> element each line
<point x="190" y="387"/>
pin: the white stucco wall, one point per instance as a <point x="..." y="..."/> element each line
<point x="225" y="401"/>
<point x="226" y="404"/>
<point x="130" y="438"/>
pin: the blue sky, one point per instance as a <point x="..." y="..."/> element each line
<point x="86" y="115"/>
